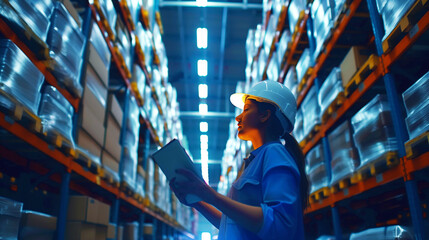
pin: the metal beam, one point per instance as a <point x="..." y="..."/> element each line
<point x="196" y="114"/>
<point x="243" y="5"/>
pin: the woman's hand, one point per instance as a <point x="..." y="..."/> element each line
<point x="190" y="184"/>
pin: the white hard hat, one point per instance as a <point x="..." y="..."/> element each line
<point x="272" y="92"/>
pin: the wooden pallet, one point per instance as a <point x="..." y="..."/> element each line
<point x="127" y="189"/>
<point x="104" y="21"/>
<point x="417" y="146"/>
<point x="59" y="141"/>
<point x="127" y="14"/>
<point x="87" y="162"/>
<point x="136" y="91"/>
<point x="19" y="113"/>
<point x="319" y="194"/>
<point x="310" y="135"/>
<point x="122" y="62"/>
<point x="406" y="24"/>
<point x="304" y="79"/>
<point x="341" y="184"/>
<point x="109" y="178"/>
<point x="333" y="107"/>
<point x="384" y="162"/>
<point x="363" y="72"/>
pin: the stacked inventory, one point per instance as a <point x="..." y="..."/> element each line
<point x="310" y="112"/>
<point x="373" y="132"/>
<point x="130" y="144"/>
<point x="321" y="14"/>
<point x="417" y="106"/>
<point x="330" y="91"/>
<point x="316" y="170"/>
<point x="344" y="159"/>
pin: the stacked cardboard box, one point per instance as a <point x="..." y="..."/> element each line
<point x="352" y="62"/>
<point x="37" y="226"/>
<point x="87" y="218"/>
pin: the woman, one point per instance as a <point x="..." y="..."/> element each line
<point x="268" y="198"/>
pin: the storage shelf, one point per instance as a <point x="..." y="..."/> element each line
<point x="329" y="46"/>
<point x="8" y="33"/>
<point x="71" y="166"/>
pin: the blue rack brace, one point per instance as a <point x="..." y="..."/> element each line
<point x="64" y="202"/>
<point x="398" y="123"/>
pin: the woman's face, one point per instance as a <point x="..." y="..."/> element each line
<point x="248" y="121"/>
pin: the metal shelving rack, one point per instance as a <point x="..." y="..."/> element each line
<point x="406" y="170"/>
<point x="59" y="167"/>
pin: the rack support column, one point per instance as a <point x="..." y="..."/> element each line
<point x="64" y="203"/>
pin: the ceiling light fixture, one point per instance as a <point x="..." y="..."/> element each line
<point x="204" y="138"/>
<point x="202" y="68"/>
<point x="204" y="126"/>
<point x="202" y="3"/>
<point x="202" y="38"/>
<point x="203" y="108"/>
<point x="202" y="90"/>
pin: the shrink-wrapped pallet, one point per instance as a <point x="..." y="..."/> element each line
<point x="295" y="11"/>
<point x="100" y="45"/>
<point x="373" y="130"/>
<point x="316" y="169"/>
<point x="387" y="232"/>
<point x="36" y="14"/>
<point x="19" y="78"/>
<point x="298" y="131"/>
<point x="282" y="45"/>
<point x="330" y="89"/>
<point x="303" y="64"/>
<point x="66" y="43"/>
<point x="344" y="156"/>
<point x="56" y="113"/>
<point x="10" y="215"/>
<point x="131" y="138"/>
<point x="310" y="111"/>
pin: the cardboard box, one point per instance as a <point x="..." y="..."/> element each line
<point x="131" y="231"/>
<point x="86" y="141"/>
<point x="89" y="210"/>
<point x="110" y="162"/>
<point x="98" y="65"/>
<point x="111" y="231"/>
<point x="354" y="59"/>
<point x="115" y="109"/>
<point x="93" y="126"/>
<point x="37" y="226"/>
<point x="120" y="230"/>
<point x="76" y="230"/>
<point x="113" y="132"/>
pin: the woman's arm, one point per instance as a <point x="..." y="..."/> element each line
<point x="209" y="212"/>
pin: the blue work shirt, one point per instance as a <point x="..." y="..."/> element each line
<point x="271" y="181"/>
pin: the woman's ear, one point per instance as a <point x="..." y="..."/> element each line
<point x="265" y="115"/>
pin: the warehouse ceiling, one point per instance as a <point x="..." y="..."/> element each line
<point x="227" y="23"/>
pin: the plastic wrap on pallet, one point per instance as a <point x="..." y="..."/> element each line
<point x="270" y="34"/>
<point x="95" y="159"/>
<point x="291" y="82"/>
<point x="380" y="4"/>
<point x="273" y="68"/>
<point x="66" y="44"/>
<point x="322" y="28"/>
<point x="317" y="177"/>
<point x="323" y="4"/>
<point x="418" y="121"/>
<point x="56" y="113"/>
<point x="99" y="43"/>
<point x="250" y="45"/>
<point x="114" y="175"/>
<point x="298" y="128"/>
<point x="392" y="13"/>
<point x="330" y="89"/>
<point x="133" y="122"/>
<point x="10" y="215"/>
<point x="338" y="5"/>
<point x="140" y="184"/>
<point x="131" y="143"/>
<point x="140" y="78"/>
<point x="149" y="186"/>
<point x="159" y="46"/>
<point x="315" y="156"/>
<point x="145" y="37"/>
<point x="283" y="45"/>
<point x="19" y="77"/>
<point x="416" y="95"/>
<point x="387" y="232"/>
<point x="108" y="10"/>
<point x="134" y="7"/>
<point x="303" y="64"/>
<point x="373" y="130"/>
<point x="310" y="111"/>
<point x="296" y="7"/>
<point x="262" y="61"/>
<point x="344" y="157"/>
<point x="259" y="33"/>
<point x="36" y="14"/>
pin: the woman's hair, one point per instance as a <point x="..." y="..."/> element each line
<point x="292" y="147"/>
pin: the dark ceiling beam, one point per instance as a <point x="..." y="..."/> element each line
<point x="182" y="43"/>
<point x="242" y="5"/>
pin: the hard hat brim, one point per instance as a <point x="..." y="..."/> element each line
<point x="237" y="99"/>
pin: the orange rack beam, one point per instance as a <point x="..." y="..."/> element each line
<point x="324" y="55"/>
<point x="10" y="34"/>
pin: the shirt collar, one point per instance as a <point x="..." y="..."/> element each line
<point x="256" y="151"/>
